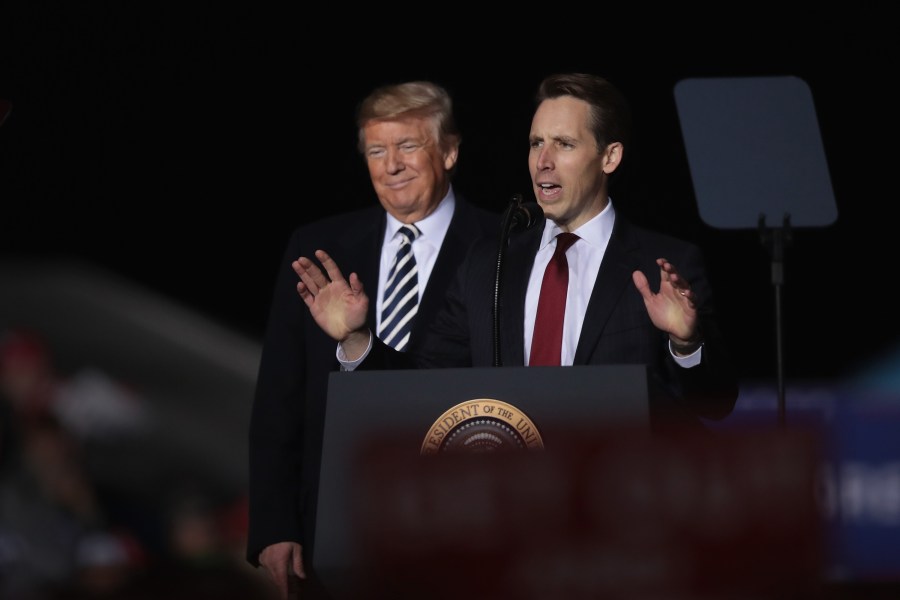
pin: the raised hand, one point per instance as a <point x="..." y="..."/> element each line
<point x="672" y="309"/>
<point x="338" y="306"/>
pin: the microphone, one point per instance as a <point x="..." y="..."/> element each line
<point x="526" y="215"/>
<point x="518" y="215"/>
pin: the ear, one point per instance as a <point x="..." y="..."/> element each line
<point x="450" y="157"/>
<point x="612" y="157"/>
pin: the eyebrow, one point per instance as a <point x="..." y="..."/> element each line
<point x="400" y="142"/>
<point x="555" y="138"/>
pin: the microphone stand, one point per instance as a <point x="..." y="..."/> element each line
<point x="776" y="240"/>
<point x="509" y="218"/>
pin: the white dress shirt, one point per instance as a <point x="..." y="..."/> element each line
<point x="433" y="229"/>
<point x="584" y="258"/>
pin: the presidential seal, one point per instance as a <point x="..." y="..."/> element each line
<point x="482" y="425"/>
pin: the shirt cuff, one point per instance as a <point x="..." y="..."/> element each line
<point x="691" y="360"/>
<point x="350" y="365"/>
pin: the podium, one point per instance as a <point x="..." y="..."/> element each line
<point x="590" y="500"/>
<point x="404" y="409"/>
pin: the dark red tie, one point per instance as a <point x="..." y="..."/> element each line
<point x="546" y="344"/>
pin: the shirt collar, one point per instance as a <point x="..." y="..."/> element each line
<point x="596" y="232"/>
<point x="438" y="220"/>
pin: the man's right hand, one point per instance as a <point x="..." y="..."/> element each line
<point x="281" y="561"/>
<point x="339" y="307"/>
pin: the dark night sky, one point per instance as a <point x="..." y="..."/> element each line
<point x="180" y="147"/>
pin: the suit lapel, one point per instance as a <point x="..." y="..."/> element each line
<point x="441" y="275"/>
<point x="612" y="280"/>
<point x="462" y="231"/>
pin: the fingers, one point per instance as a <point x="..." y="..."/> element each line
<point x="641" y="283"/>
<point x="305" y="294"/>
<point x="279" y="577"/>
<point x="668" y="273"/>
<point x="334" y="273"/>
<point x="311" y="276"/>
<point x="282" y="561"/>
<point x="299" y="571"/>
<point x="666" y="269"/>
<point x="302" y="267"/>
<point x="356" y="284"/>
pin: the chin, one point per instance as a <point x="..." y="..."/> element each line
<point x="549" y="209"/>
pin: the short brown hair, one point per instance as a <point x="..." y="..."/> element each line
<point x="610" y="113"/>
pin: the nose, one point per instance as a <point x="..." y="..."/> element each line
<point x="544" y="159"/>
<point x="394" y="162"/>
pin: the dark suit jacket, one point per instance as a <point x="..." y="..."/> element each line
<point x="616" y="329"/>
<point x="289" y="406"/>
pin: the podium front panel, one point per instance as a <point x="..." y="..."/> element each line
<point x="406" y="405"/>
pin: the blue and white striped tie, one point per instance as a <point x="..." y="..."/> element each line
<point x="401" y="294"/>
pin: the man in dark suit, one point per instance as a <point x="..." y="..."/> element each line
<point x="410" y="142"/>
<point x="578" y="137"/>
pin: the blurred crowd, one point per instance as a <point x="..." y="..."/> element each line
<point x="65" y="533"/>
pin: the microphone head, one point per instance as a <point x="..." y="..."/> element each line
<point x="527" y="215"/>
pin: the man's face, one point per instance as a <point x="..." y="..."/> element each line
<point x="409" y="171"/>
<point x="567" y="171"/>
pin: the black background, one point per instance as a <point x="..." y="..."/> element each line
<point x="179" y="146"/>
